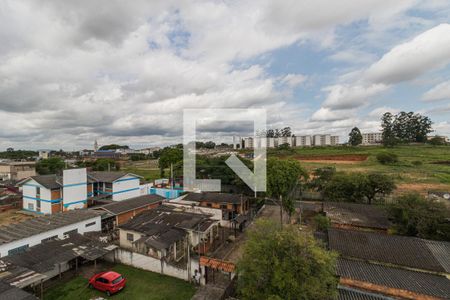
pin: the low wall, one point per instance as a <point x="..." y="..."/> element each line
<point x="148" y="263"/>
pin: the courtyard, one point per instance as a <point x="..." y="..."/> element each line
<point x="140" y="285"/>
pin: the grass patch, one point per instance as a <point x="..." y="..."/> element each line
<point x="140" y="285"/>
<point x="417" y="163"/>
<point x="148" y="174"/>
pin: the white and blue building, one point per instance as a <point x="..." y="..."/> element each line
<point x="49" y="194"/>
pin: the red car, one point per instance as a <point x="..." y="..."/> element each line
<point x="109" y="282"/>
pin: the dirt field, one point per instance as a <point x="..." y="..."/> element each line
<point x="13" y="216"/>
<point x="421" y="188"/>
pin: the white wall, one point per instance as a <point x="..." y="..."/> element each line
<point x="126" y="187"/>
<point x="148" y="263"/>
<point x="74" y="188"/>
<point x="29" y="190"/>
<point x="37" y="239"/>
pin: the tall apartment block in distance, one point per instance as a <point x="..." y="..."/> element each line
<point x="293" y="141"/>
<point x="372" y="138"/>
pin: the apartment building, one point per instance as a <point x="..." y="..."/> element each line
<point x="248" y="143"/>
<point x="117" y="185"/>
<point x="16" y="170"/>
<point x="322" y="140"/>
<point x="286" y="140"/>
<point x="293" y="141"/>
<point x="49" y="194"/>
<point x="303" y="141"/>
<point x="372" y="138"/>
<point x="334" y="140"/>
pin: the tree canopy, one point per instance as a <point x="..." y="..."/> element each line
<point x="414" y="215"/>
<point x="283" y="177"/>
<point x="358" y="187"/>
<point x="275" y="133"/>
<point x="114" y="147"/>
<point x="285" y="264"/>
<point x="355" y="137"/>
<point x="405" y="127"/>
<point x="169" y="155"/>
<point x="51" y="165"/>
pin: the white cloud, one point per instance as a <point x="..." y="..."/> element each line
<point x="427" y="51"/>
<point x="293" y="80"/>
<point x="378" y="112"/>
<point x="351" y="96"/>
<point x="439" y="92"/>
<point x="74" y="71"/>
<point x="326" y="114"/>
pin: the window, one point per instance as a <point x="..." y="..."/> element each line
<point x="30" y="206"/>
<point x="71" y="232"/>
<point x="18" y="250"/>
<point x="90" y="224"/>
<point x="117" y="280"/>
<point x="130" y="237"/>
<point x="38" y="192"/>
<point x="102" y="280"/>
<point x="38" y="205"/>
<point x="49" y="239"/>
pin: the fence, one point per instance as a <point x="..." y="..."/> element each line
<point x="148" y="263"/>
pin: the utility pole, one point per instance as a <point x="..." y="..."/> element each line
<point x="171" y="176"/>
<point x="281" y="211"/>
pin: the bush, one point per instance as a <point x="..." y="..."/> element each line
<point x="416" y="163"/>
<point x="387" y="158"/>
<point x="321" y="222"/>
<point x="414" y="215"/>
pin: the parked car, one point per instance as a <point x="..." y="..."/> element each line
<point x="109" y="282"/>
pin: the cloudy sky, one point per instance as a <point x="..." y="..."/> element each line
<point x="123" y="71"/>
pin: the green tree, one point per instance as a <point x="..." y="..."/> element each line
<point x="414" y="215"/>
<point x="387" y="158"/>
<point x="355" y="137"/>
<point x="283" y="177"/>
<point x="405" y="127"/>
<point x="114" y="147"/>
<point x="358" y="187"/>
<point x="345" y="188"/>
<point x="169" y="155"/>
<point x="51" y="165"/>
<point x="389" y="138"/>
<point x="285" y="264"/>
<point x="377" y="185"/>
<point x="321" y="177"/>
<point x="437" y="141"/>
<point x="105" y="164"/>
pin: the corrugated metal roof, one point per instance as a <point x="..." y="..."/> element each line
<point x="414" y="281"/>
<point x="40" y="224"/>
<point x="363" y="215"/>
<point x="108" y="176"/>
<point x="354" y="294"/>
<point x="214" y="197"/>
<point x="399" y="250"/>
<point x="119" y="207"/>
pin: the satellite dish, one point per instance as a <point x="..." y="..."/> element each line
<point x="447" y="196"/>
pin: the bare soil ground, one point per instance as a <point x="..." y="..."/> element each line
<point x="331" y="161"/>
<point x="421" y="188"/>
<point x="13" y="216"/>
<point x="333" y="157"/>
